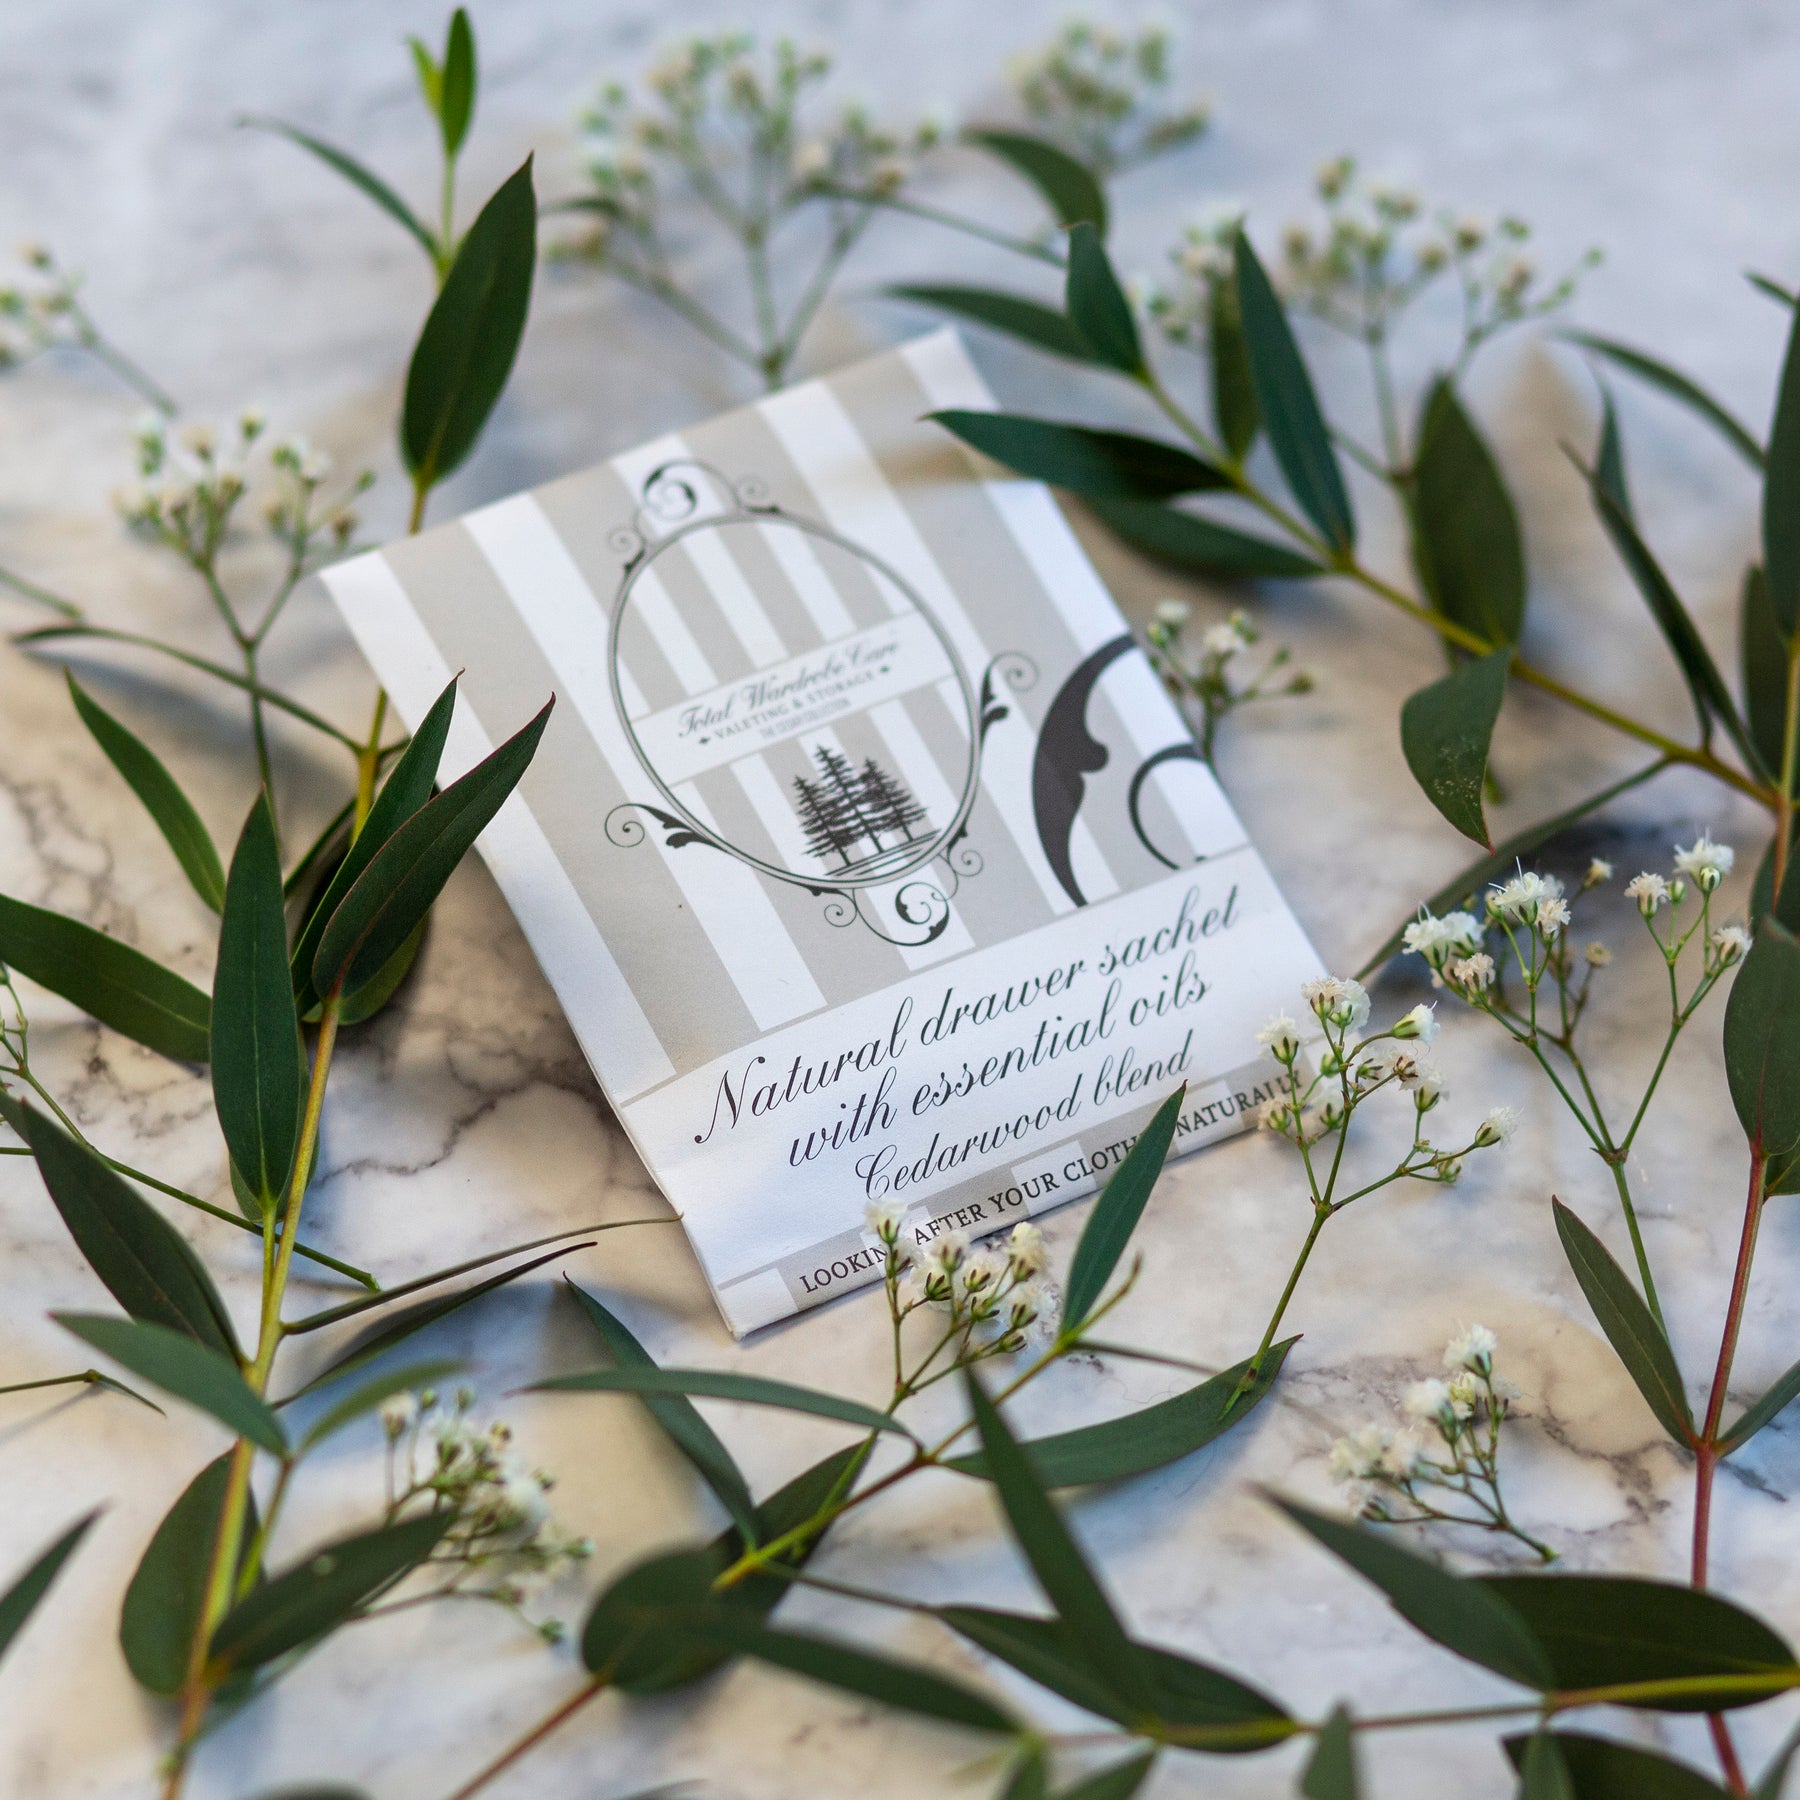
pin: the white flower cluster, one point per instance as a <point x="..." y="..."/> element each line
<point x="1204" y="681"/>
<point x="1199" y="295"/>
<point x="501" y="1536"/>
<point x="1103" y="94"/>
<point x="1002" y="1294"/>
<point x="1442" y="1464"/>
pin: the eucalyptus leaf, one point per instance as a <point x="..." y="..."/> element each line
<point x="1763" y="655"/>
<point x="1461" y="1615"/>
<point x="1288" y="405"/>
<point x="190" y="1371"/>
<point x="1119" y="1782"/>
<point x="302" y="1605"/>
<point x="722" y="1384"/>
<point x="161" y="1611"/>
<point x="375" y="1392"/>
<point x="1029" y="1779"/>
<point x="1630" y="1327"/>
<point x="1611" y="1630"/>
<point x="1070" y="188"/>
<point x="1781" y="492"/>
<point x="1017" y="315"/>
<point x="1331" y="1772"/>
<point x="1770" y="288"/>
<point x="1600" y="1769"/>
<point x="1116" y="1213"/>
<point x="471" y="335"/>
<point x="1228" y="363"/>
<point x="169" y="808"/>
<point x="365" y="1002"/>
<point x="1150" y="1438"/>
<point x="1466" y="536"/>
<point x="26" y="1593"/>
<point x="677" y="1415"/>
<point x="405" y="876"/>
<point x="1773" y="1781"/>
<point x="1446" y="730"/>
<point x="364" y="180"/>
<point x="1097" y="464"/>
<point x="1678" y="387"/>
<point x="110" y="981"/>
<point x="1609" y="458"/>
<point x="1761" y="1412"/>
<point x="1056" y="1559"/>
<point x="1201" y="545"/>
<point x="405" y="791"/>
<point x="1472" y="880"/>
<point x="456" y="83"/>
<point x="1098" y="307"/>
<point x="143" y="1261"/>
<point x="258" y="1064"/>
<point x="1762" y="1040"/>
<point x="1544" y="1772"/>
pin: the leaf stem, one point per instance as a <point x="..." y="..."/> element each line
<point x="529" y="1742"/>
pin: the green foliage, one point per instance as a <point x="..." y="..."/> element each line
<point x="1233" y="384"/>
<point x="366" y="1398"/>
<point x="1116" y="1213"/>
<point x="170" y="809"/>
<point x="1781" y="493"/>
<point x="465" y="351"/>
<point x="1762" y="1040"/>
<point x="722" y="1384"/>
<point x="1446" y="730"/>
<point x="1069" y="188"/>
<point x="1763" y="654"/>
<point x="1097" y="464"/>
<point x="1288" y="405"/>
<point x="1017" y="315"/>
<point x="1761" y="1412"/>
<point x="363" y="179"/>
<point x="1596" y="1768"/>
<point x="258" y="1063"/>
<point x="1098" y="307"/>
<point x="20" y="1600"/>
<point x="1466" y="536"/>
<point x="1331" y="1772"/>
<point x="1201" y="546"/>
<point x="190" y="1371"/>
<point x="449" y="85"/>
<point x="1631" y="1328"/>
<point x="1678" y="387"/>
<point x="109" y="981"/>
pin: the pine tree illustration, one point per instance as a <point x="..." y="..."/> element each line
<point x="818" y="813"/>
<point x="849" y="819"/>
<point x="889" y="802"/>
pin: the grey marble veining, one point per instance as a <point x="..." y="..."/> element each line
<point x="465" y="1117"/>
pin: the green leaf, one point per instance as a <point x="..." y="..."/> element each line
<point x="1233" y="386"/>
<point x="1762" y="1412"/>
<point x="1610" y="1630"/>
<point x="1032" y="322"/>
<point x="1330" y="1772"/>
<point x="1107" y="465"/>
<point x="144" y="1262"/>
<point x="110" y="981"/>
<point x="1678" y="387"/>
<point x="677" y="1415"/>
<point x="1781" y="492"/>
<point x="1070" y="188"/>
<point x="22" y="1598"/>
<point x="456" y="83"/>
<point x="1599" y="1769"/>
<point x="1056" y="1559"/>
<point x="162" y="1605"/>
<point x="722" y="1384"/>
<point x="406" y="789"/>
<point x="374" y="1392"/>
<point x="1150" y="1438"/>
<point x="374" y="994"/>
<point x="1181" y="1691"/>
<point x="1191" y="542"/>
<point x="1763" y="654"/>
<point x="406" y="875"/>
<point x="1461" y="1615"/>
<point x="1117" y="1211"/>
<point x="413" y="1319"/>
<point x="1288" y="405"/>
<point x="1097" y="305"/>
<point x="188" y="1370"/>
<point x="364" y="180"/>
<point x="1119" y="1782"/>
<point x="258" y="1064"/>
<point x="1712" y="699"/>
<point x="297" y="1608"/>
<point x="856" y="1671"/>
<point x="627" y="1636"/>
<point x="1770" y="288"/>
<point x="170" y="809"/>
<point x="471" y="335"/>
<point x="1029" y="1779"/>
<point x="1774" y="1777"/>
<point x="1446" y="730"/>
<point x="1475" y="878"/>
<point x="1544" y="1771"/>
<point x="1630" y="1327"/>
<point x="1762" y="1040"/>
<point x="1467" y="542"/>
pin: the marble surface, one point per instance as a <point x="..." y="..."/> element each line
<point x="466" y="1118"/>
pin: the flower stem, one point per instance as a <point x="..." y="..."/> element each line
<point x="529" y="1742"/>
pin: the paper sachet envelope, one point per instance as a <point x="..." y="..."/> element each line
<point x="864" y="850"/>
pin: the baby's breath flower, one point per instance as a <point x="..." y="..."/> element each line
<point x="1427" y="1399"/>
<point x="1648" y="890"/>
<point x="1732" y="943"/>
<point x="1223" y="641"/>
<point x="1026" y="1248"/>
<point x="398" y="1413"/>
<point x="1473" y="973"/>
<point x="885" y="1218"/>
<point x="1339" y="1000"/>
<point x="1498" y="1127"/>
<point x="1436" y="937"/>
<point x="1420" y="1023"/>
<point x="1598" y="871"/>
<point x="1707" y="862"/>
<point x="1518" y="900"/>
<point x="945" y="1252"/>
<point x="1552" y="915"/>
<point x="1472" y="1348"/>
<point x="1170" y="611"/>
<point x="1597" y="955"/>
<point x="1282" y="1037"/>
